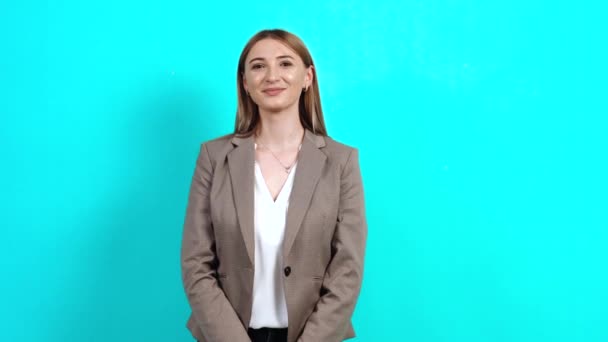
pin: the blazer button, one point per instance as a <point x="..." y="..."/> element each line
<point x="287" y="271"/>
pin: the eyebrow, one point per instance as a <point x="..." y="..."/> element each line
<point x="262" y="59"/>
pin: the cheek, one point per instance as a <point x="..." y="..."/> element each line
<point x="252" y="80"/>
<point x="292" y="77"/>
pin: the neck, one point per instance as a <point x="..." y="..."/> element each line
<point x="279" y="130"/>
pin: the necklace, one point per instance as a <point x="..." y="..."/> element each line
<point x="288" y="167"/>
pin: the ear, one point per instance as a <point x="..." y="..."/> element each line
<point x="245" y="83"/>
<point x="310" y="75"/>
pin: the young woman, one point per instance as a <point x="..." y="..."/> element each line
<point x="275" y="228"/>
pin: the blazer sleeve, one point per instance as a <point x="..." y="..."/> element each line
<point x="342" y="282"/>
<point x="211" y="309"/>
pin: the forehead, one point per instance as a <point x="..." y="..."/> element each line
<point x="270" y="49"/>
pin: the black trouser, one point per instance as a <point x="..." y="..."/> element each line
<point x="268" y="335"/>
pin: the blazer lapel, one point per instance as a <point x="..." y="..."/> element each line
<point x="308" y="171"/>
<point x="240" y="164"/>
<point x="241" y="167"/>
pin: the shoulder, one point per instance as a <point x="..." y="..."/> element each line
<point x="336" y="148"/>
<point x="339" y="152"/>
<point x="216" y="148"/>
<point x="218" y="143"/>
<point x="336" y="151"/>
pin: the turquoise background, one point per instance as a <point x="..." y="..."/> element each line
<point x="481" y="125"/>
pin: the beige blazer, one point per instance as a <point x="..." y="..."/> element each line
<point x="323" y="249"/>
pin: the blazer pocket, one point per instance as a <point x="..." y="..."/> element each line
<point x="317" y="278"/>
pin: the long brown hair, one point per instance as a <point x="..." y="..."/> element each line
<point x="247" y="112"/>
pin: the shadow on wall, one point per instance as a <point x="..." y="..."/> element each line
<point x="129" y="276"/>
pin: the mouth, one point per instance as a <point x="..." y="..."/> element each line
<point x="273" y="91"/>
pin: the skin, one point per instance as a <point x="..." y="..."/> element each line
<point x="272" y="65"/>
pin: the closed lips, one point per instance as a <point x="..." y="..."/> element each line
<point x="273" y="89"/>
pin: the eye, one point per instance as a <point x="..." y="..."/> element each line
<point x="257" y="66"/>
<point x="286" y="63"/>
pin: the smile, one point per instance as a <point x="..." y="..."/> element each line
<point x="274" y="91"/>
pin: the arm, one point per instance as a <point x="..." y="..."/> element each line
<point x="210" y="307"/>
<point x="342" y="282"/>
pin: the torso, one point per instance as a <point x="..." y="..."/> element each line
<point x="274" y="174"/>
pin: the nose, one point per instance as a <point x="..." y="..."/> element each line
<point x="272" y="74"/>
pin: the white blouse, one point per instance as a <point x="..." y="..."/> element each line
<point x="269" y="307"/>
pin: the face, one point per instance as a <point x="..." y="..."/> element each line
<point x="275" y="76"/>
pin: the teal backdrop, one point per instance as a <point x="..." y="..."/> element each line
<point x="481" y="126"/>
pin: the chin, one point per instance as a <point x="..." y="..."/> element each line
<point x="274" y="107"/>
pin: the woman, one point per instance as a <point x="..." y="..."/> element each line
<point x="275" y="229"/>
